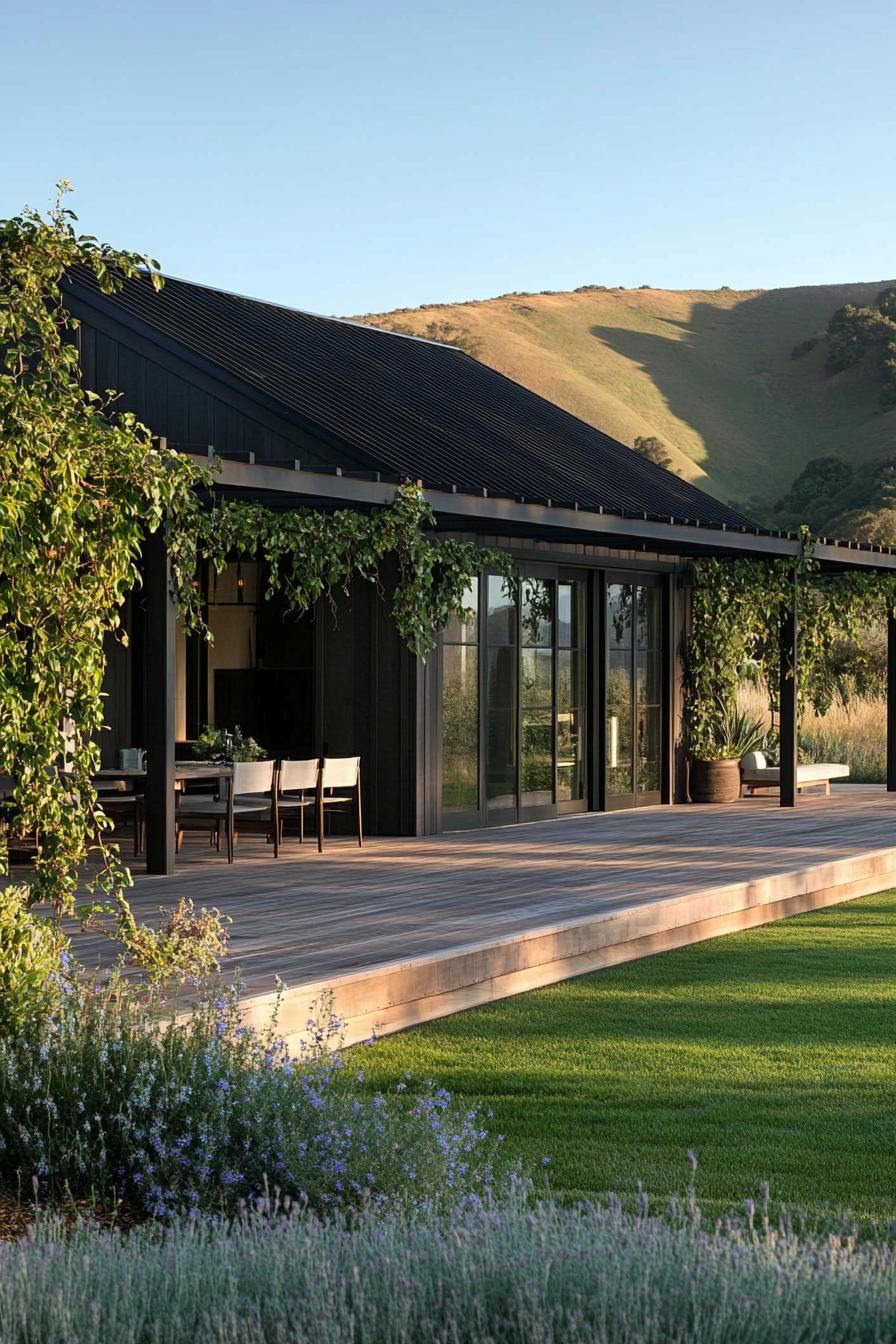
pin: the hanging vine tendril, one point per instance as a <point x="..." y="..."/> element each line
<point x="735" y="618"/>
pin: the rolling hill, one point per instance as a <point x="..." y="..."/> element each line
<point x="715" y="374"/>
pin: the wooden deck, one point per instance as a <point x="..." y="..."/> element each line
<point x="413" y="906"/>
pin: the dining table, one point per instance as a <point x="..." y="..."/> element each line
<point x="184" y="773"/>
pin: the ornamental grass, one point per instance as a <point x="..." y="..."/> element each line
<point x="536" y="1274"/>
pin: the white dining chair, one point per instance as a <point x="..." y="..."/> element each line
<point x="251" y="799"/>
<point x="342" y="773"/>
<point x="297" y="787"/>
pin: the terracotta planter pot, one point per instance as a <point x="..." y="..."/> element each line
<point x="715" y="781"/>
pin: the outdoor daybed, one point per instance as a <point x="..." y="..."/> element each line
<point x="756" y="774"/>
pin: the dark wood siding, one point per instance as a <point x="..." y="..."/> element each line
<point x="367" y="705"/>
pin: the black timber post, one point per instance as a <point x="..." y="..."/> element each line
<point x="787" y="698"/>
<point x="160" y="669"/>
<point x="891" y="702"/>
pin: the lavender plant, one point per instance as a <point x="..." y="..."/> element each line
<point x="517" y="1273"/>
<point x="108" y="1097"/>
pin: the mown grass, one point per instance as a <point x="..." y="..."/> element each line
<point x="771" y="1054"/>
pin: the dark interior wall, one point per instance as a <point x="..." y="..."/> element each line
<point x="367" y="693"/>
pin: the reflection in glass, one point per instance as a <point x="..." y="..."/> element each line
<point x="570" y="756"/>
<point x="501" y="757"/>
<point x="568" y="615"/>
<point x="649" y="673"/>
<point x="649" y="749"/>
<point x="537" y="693"/>
<point x="501" y="612"/>
<point x="537" y="613"/>
<point x="460" y="727"/>
<point x="619" y="723"/>
<point x="537" y="757"/>
<point x="634" y="689"/>
<point x="536" y="677"/>
<point x="465" y="632"/>
<point x="571" y="695"/>
<point x="619" y="615"/>
<point x="650" y="618"/>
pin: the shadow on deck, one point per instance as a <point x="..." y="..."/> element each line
<point x="408" y="929"/>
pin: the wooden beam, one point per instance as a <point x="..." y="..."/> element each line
<point x="787" y="700"/>
<point x="160" y="670"/>
<point x="491" y="512"/>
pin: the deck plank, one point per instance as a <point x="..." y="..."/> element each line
<point x="307" y="916"/>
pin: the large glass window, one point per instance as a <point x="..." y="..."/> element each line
<point x="460" y="710"/>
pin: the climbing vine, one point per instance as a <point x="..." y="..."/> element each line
<point x="310" y="554"/>
<point x="81" y="486"/>
<point x="736" y="611"/>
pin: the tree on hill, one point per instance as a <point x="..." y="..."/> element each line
<point x="815" y="492"/>
<point x="854" y="332"/>
<point x="835" y="499"/>
<point x="653" y="449"/>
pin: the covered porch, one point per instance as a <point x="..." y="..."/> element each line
<point x="392" y="708"/>
<point x="410" y="929"/>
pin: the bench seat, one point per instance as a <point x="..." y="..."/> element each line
<point x="755" y="774"/>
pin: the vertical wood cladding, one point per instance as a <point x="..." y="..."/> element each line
<point x="367" y="704"/>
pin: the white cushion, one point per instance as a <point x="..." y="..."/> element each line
<point x="816" y="773"/>
<point x="754" y="760"/>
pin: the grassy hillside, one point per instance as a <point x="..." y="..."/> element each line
<point x="711" y="373"/>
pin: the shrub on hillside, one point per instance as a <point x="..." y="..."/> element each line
<point x="106" y="1097"/>
<point x="854" y="332"/>
<point x="653" y="449"/>
<point x="587" y="1275"/>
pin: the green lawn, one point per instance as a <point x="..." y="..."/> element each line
<point x="771" y="1054"/>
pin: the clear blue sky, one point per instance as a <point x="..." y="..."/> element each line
<point x="353" y="155"/>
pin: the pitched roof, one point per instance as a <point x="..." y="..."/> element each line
<point x="411" y="407"/>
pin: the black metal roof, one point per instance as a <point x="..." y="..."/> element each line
<point x="411" y="407"/>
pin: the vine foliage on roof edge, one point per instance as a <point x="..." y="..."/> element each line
<point x="311" y="554"/>
<point x="82" y="483"/>
<point x="735" y="621"/>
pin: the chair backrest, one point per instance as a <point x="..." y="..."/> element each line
<point x="253" y="776"/>
<point x="298" y="774"/>
<point x="340" y="772"/>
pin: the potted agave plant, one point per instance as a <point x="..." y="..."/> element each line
<point x="715" y="770"/>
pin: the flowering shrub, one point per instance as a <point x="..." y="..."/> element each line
<point x="30" y="947"/>
<point x="509" y="1275"/>
<point x="107" y="1097"/>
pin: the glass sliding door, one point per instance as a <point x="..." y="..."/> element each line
<point x="460" y="712"/>
<point x="537" y="694"/>
<point x="514" y="702"/>
<point x="501" y="701"/>
<point x="572" y="700"/>
<point x="635" y="668"/>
